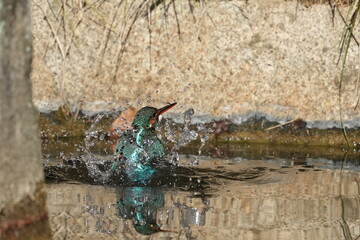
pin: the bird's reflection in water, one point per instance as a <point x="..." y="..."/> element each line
<point x="140" y="205"/>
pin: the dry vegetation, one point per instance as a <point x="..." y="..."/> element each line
<point x="336" y="3"/>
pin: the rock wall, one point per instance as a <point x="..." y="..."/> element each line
<point x="225" y="59"/>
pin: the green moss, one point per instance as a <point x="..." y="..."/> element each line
<point x="59" y="124"/>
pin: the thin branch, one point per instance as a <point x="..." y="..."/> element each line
<point x="51" y="10"/>
<point x="333" y="8"/>
<point x="57" y="31"/>
<point x="242" y="12"/>
<point x="150" y="35"/>
<point x="123" y="40"/>
<point x="280" y="125"/>
<point x="177" y="19"/>
<point x="62" y="7"/>
<point x="357" y="83"/>
<point x="346" y="43"/>
<point x="348" y="27"/>
<point x="108" y="34"/>
<point x="191" y="7"/>
<point x="166" y="19"/>
<point x="73" y="34"/>
<point x="59" y="44"/>
<point x="102" y="25"/>
<point x="153" y="6"/>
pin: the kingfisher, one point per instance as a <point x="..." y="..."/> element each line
<point x="139" y="149"/>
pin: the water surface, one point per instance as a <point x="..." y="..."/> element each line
<point x="219" y="194"/>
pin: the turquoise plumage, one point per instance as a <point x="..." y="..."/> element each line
<point x="139" y="149"/>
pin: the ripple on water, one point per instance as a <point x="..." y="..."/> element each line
<point x="254" y="199"/>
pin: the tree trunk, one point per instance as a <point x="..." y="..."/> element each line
<point x="21" y="175"/>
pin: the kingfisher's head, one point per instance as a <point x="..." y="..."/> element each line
<point x="148" y="116"/>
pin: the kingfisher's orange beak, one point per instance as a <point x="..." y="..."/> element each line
<point x="159" y="112"/>
<point x="164" y="109"/>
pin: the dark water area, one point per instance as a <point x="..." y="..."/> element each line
<point x="223" y="191"/>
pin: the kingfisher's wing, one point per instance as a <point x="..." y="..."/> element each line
<point x="123" y="145"/>
<point x="155" y="149"/>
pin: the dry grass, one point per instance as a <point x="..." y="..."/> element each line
<point x="115" y="22"/>
<point x="333" y="3"/>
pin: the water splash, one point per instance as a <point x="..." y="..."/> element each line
<point x="93" y="163"/>
<point x="92" y="133"/>
<point x="179" y="136"/>
<point x="204" y="137"/>
<point x="186" y="135"/>
<point x="187" y="118"/>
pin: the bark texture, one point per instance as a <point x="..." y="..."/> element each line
<point x="20" y="158"/>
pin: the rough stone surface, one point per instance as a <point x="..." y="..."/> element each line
<point x="225" y="59"/>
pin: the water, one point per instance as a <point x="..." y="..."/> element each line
<point x="231" y="192"/>
<point x="208" y="191"/>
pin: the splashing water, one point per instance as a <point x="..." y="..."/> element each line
<point x="92" y="133"/>
<point x="204" y="137"/>
<point x="93" y="163"/>
<point x="186" y="135"/>
<point x="180" y="136"/>
<point x="187" y="118"/>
